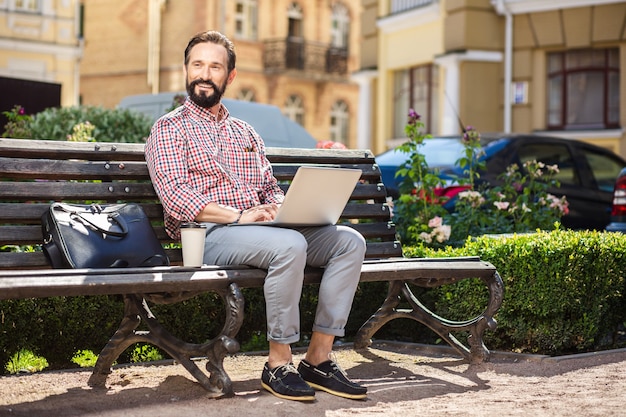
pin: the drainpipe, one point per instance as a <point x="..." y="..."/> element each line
<point x="501" y="9"/>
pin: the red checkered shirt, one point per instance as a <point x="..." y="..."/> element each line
<point x="196" y="158"/>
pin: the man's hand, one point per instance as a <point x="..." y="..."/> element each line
<point x="261" y="213"/>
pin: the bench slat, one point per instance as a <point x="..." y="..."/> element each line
<point x="59" y="282"/>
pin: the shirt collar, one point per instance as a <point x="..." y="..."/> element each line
<point x="203" y="113"/>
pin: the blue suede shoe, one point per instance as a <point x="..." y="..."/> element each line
<point x="329" y="377"/>
<point x="285" y="382"/>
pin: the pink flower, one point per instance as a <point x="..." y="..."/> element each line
<point x="329" y="144"/>
<point x="435" y="222"/>
<point x="501" y="205"/>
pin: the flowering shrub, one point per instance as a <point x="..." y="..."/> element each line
<point x="17" y="125"/>
<point x="329" y="144"/>
<point x="520" y="204"/>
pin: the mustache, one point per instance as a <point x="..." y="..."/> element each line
<point x="200" y="81"/>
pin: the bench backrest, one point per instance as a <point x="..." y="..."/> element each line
<point x="34" y="173"/>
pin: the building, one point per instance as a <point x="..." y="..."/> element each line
<point x="551" y="67"/>
<point x="40" y="53"/>
<point x="297" y="55"/>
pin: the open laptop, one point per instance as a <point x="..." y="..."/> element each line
<point x="316" y="197"/>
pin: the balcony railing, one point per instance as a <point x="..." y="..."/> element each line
<point x="300" y="55"/>
<point x="398" y="6"/>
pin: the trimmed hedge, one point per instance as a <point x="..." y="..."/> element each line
<point x="564" y="293"/>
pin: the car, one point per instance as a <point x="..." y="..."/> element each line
<point x="586" y="172"/>
<point x="618" y="213"/>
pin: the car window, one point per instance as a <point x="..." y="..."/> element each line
<point x="604" y="168"/>
<point x="552" y="154"/>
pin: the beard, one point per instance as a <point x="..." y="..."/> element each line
<point x="205" y="100"/>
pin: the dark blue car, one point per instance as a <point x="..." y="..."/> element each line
<point x="586" y="172"/>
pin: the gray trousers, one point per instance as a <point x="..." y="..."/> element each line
<point x="284" y="253"/>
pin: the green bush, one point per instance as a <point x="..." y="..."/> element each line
<point x="564" y="290"/>
<point x="118" y="125"/>
<point x="564" y="293"/>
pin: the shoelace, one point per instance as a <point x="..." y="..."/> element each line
<point x="333" y="360"/>
<point x="286" y="368"/>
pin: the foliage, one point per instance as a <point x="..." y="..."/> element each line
<point x="26" y="361"/>
<point x="18" y="123"/>
<point x="177" y="101"/>
<point x="85" y="358"/>
<point x="82" y="132"/>
<point x="118" y="125"/>
<point x="145" y="353"/>
<point x="418" y="204"/>
<point x="564" y="290"/>
<point x="564" y="293"/>
<point x="520" y="204"/>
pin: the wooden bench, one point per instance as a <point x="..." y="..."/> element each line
<point x="35" y="172"/>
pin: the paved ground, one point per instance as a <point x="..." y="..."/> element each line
<point x="403" y="380"/>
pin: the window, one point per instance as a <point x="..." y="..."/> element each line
<point x="339" y="122"/>
<point x="416" y="88"/>
<point x="294" y="24"/>
<point x="552" y="154"/>
<point x="27" y="6"/>
<point x="246" y="19"/>
<point x="294" y="109"/>
<point x="340" y="26"/>
<point x="246" y="94"/>
<point x="605" y="169"/>
<point x="583" y="89"/>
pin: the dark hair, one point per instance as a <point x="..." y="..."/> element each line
<point x="216" y="38"/>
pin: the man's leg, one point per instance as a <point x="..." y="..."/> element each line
<point x="340" y="250"/>
<point x="282" y="252"/>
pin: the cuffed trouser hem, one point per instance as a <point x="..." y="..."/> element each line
<point x="285" y="340"/>
<point x="327" y="330"/>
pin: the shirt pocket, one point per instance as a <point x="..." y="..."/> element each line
<point x="246" y="168"/>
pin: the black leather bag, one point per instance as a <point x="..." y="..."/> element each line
<point x="100" y="236"/>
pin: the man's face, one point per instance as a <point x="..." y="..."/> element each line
<point x="206" y="74"/>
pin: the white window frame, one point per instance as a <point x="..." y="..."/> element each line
<point x="339" y="26"/>
<point x="246" y="19"/>
<point x="339" y="122"/>
<point x="294" y="109"/>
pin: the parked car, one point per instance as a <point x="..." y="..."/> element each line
<point x="586" y="172"/>
<point x="618" y="213"/>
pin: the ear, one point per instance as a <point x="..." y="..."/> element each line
<point x="185" y="70"/>
<point x="231" y="76"/>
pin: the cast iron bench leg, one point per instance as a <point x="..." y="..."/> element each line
<point x="136" y="309"/>
<point x="477" y="351"/>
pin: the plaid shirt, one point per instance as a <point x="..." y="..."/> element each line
<point x="196" y="158"/>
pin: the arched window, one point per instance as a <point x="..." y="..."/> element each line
<point x="340" y="26"/>
<point x="339" y="122"/>
<point x="246" y="94"/>
<point x="294" y="109"/>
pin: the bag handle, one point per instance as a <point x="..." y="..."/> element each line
<point x="112" y="217"/>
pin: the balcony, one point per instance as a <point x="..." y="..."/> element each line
<point x="312" y="59"/>
<point x="399" y="6"/>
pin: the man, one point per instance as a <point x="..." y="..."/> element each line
<point x="209" y="167"/>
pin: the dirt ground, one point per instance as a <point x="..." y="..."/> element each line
<point x="402" y="380"/>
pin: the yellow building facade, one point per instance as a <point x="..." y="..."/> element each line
<point x="40" y="41"/>
<point x="500" y="65"/>
<point x="297" y="55"/>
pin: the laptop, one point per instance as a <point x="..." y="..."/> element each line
<point x="316" y="197"/>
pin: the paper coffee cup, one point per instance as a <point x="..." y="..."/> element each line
<point x="192" y="236"/>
